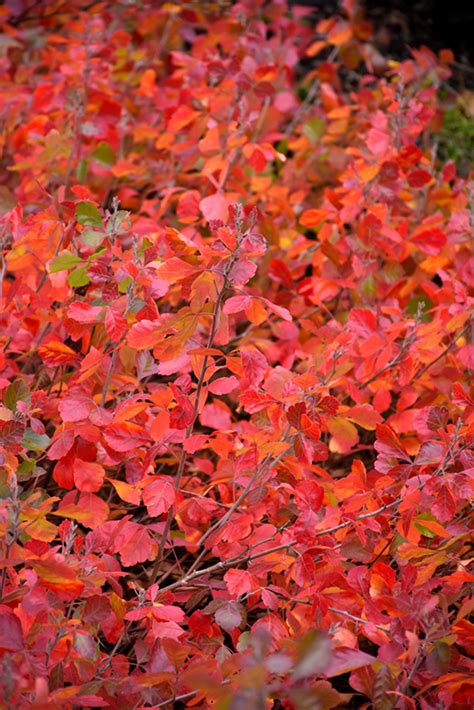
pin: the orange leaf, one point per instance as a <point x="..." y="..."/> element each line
<point x="56" y="353"/>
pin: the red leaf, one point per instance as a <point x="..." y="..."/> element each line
<point x="56" y="353"/>
<point x="167" y="612"/>
<point x="175" y="269"/>
<point x="181" y="117"/>
<point x="58" y="576"/>
<point x="115" y="324"/>
<point x="83" y="312"/>
<point x="159" y="494"/>
<point x="444" y="505"/>
<point x="431" y="452"/>
<point x="312" y="493"/>
<point x="88" y="476"/>
<point x="125" y="436"/>
<point x="253" y="401"/>
<point x="294" y="414"/>
<point x="378" y="141"/>
<point x="364" y="415"/>
<point x="362" y="322"/>
<point x="430" y="241"/>
<point x="239" y="582"/>
<point x="61" y="445"/>
<point x="144" y="335"/>
<point x="466" y="355"/>
<point x="182" y="414"/>
<point x="303" y="450"/>
<point x="88" y="509"/>
<point x="11" y="634"/>
<point x="130" y="540"/>
<point x="160" y="426"/>
<point x="254" y="364"/>
<point x="230" y="616"/>
<point x="194" y="443"/>
<point x="419" y="178"/>
<point x="461" y="397"/>
<point x="388" y="443"/>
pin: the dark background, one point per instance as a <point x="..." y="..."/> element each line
<point x="402" y="23"/>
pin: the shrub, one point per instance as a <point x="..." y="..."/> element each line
<point x="236" y="430"/>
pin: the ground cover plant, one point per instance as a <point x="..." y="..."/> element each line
<point x="237" y="411"/>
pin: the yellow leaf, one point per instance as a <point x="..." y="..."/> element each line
<point x="344" y="435"/>
<point x="126" y="492"/>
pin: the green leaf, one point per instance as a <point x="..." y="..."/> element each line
<point x="81" y="171"/>
<point x="314" y="129"/>
<point x="419" y="524"/>
<point x="420" y="302"/>
<point x="123" y="285"/>
<point x="119" y="222"/>
<point x="88" y="215"/>
<point x="17" y="391"/>
<point x="25" y="469"/>
<point x="104" y="154"/>
<point x="92" y="238"/>
<point x="78" y="277"/>
<point x="64" y="261"/>
<point x="96" y="254"/>
<point x="368" y="287"/>
<point x="35" y="442"/>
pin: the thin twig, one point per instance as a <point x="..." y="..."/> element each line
<point x="239" y="559"/>
<point x="447" y="349"/>
<point x="189" y="429"/>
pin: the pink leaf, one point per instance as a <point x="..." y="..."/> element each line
<point x="216" y="416"/>
<point x="242" y="271"/>
<point x="466" y="355"/>
<point x="279" y="311"/>
<point x="166" y="612"/>
<point x="83" y="312"/>
<point x="214" y="207"/>
<point x="344" y="660"/>
<point x="11" y="634"/>
<point x="254" y="364"/>
<point x="235" y="304"/>
<point x="378" y="141"/>
<point x="223" y="385"/>
<point x="75" y="407"/>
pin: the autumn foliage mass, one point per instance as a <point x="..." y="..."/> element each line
<point x="237" y="412"/>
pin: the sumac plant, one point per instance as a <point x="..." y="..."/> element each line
<point x="237" y="410"/>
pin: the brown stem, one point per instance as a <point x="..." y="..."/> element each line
<point x="190" y="427"/>
<point x="447" y="349"/>
<point x="248" y="557"/>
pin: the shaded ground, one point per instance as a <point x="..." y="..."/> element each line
<point x="403" y="23"/>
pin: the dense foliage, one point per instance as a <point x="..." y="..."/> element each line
<point x="237" y="419"/>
